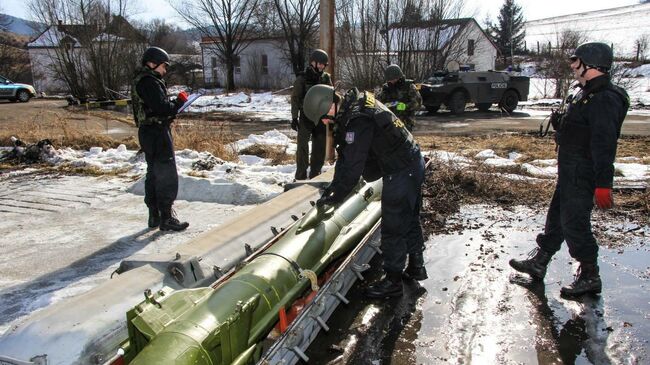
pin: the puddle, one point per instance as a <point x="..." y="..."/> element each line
<point x="469" y="311"/>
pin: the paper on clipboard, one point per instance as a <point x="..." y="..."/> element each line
<point x="190" y="99"/>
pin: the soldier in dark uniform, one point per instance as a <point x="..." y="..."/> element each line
<point x="372" y="142"/>
<point x="400" y="96"/>
<point x="309" y="129"/>
<point x="153" y="113"/>
<point x="586" y="135"/>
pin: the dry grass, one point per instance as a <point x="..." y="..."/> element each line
<point x="204" y="136"/>
<point x="277" y="154"/>
<point x="447" y="187"/>
<point x="531" y="146"/>
<point x="62" y="134"/>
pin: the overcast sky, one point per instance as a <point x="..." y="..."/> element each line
<point x="533" y="9"/>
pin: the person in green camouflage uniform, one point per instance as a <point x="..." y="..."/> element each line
<point x="153" y="113"/>
<point x="400" y="95"/>
<point x="306" y="128"/>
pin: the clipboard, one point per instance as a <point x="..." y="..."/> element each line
<point x="190" y="99"/>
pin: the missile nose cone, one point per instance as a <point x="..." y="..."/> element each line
<point x="316" y="215"/>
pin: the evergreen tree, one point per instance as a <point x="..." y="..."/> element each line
<point x="508" y="33"/>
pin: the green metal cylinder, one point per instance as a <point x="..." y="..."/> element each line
<point x="223" y="325"/>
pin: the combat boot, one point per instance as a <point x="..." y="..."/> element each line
<point x="389" y="286"/>
<point x="415" y="269"/>
<point x="154" y="217"/>
<point x="535" y="265"/>
<point x="170" y="222"/>
<point x="587" y="281"/>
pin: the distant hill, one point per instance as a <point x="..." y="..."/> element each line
<point x="22" y="26"/>
<point x="621" y="27"/>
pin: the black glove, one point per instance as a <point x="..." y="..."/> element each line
<point x="324" y="200"/>
<point x="294" y="124"/>
<point x="327" y="198"/>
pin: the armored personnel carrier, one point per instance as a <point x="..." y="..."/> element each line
<point x="456" y="89"/>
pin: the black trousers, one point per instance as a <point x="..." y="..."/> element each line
<point x="161" y="181"/>
<point x="569" y="215"/>
<point x="317" y="134"/>
<point x="401" y="201"/>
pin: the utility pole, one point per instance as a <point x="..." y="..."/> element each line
<point x="327" y="33"/>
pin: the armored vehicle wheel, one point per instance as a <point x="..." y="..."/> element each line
<point x="23" y="96"/>
<point x="432" y="108"/>
<point x="509" y="101"/>
<point x="456" y="103"/>
<point x="483" y="106"/>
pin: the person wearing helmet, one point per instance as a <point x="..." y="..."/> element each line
<point x="372" y="142"/>
<point x="153" y="113"/>
<point x="307" y="129"/>
<point x="586" y="137"/>
<point x="400" y="95"/>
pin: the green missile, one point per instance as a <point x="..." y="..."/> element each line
<point x="226" y="324"/>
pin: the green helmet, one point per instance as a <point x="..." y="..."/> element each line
<point x="595" y="54"/>
<point x="393" y="72"/>
<point x="318" y="101"/>
<point x="319" y="56"/>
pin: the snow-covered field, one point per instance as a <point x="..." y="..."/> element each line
<point x="621" y="26"/>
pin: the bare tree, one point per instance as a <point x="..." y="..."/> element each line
<point x="360" y="42"/>
<point x="299" y="20"/>
<point x="94" y="50"/>
<point x="167" y="36"/>
<point x="226" y="23"/>
<point x="426" y="44"/>
<point x="641" y="47"/>
<point x="556" y="66"/>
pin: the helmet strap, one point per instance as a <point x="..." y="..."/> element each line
<point x="585" y="66"/>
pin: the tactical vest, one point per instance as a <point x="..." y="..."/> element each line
<point x="398" y="93"/>
<point x="573" y="131"/>
<point x="312" y="78"/>
<point x="140" y="110"/>
<point x="398" y="149"/>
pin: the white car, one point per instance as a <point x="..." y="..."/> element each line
<point x="15" y="91"/>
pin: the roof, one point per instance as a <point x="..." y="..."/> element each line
<point x="447" y="30"/>
<point x="118" y="28"/>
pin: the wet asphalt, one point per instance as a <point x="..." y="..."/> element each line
<point x="474" y="309"/>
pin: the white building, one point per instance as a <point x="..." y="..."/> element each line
<point x="55" y="40"/>
<point x="462" y="41"/>
<point x="261" y="65"/>
<point x="620" y="27"/>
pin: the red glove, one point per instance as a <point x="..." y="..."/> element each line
<point x="182" y="96"/>
<point x="603" y="198"/>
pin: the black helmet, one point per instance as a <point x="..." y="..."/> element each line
<point x="595" y="54"/>
<point x="156" y="55"/>
<point x="319" y="56"/>
<point x="318" y="101"/>
<point x="393" y="72"/>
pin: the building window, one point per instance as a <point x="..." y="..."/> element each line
<point x="213" y="62"/>
<point x="237" y="64"/>
<point x="470" y="47"/>
<point x="265" y="64"/>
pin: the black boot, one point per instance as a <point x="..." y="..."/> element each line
<point x="389" y="286"/>
<point x="154" y="217"/>
<point x="170" y="222"/>
<point x="587" y="281"/>
<point x="535" y="265"/>
<point x="415" y="269"/>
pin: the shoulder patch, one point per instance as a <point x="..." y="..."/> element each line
<point x="349" y="137"/>
<point x="370" y="100"/>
